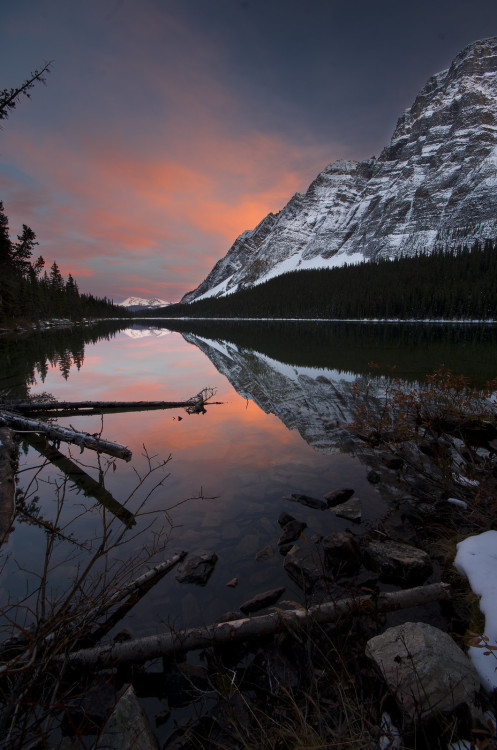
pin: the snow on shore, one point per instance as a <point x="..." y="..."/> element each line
<point x="476" y="559"/>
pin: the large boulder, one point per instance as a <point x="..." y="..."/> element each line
<point x="127" y="727"/>
<point x="397" y="562"/>
<point x="424" y="669"/>
<point x="306" y="565"/>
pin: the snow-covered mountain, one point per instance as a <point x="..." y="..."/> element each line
<point x="434" y="186"/>
<point x="138" y="303"/>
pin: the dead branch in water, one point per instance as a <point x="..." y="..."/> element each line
<point x="54" y="407"/>
<point x="64" y="434"/>
<point x="165" y="644"/>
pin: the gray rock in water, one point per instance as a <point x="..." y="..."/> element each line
<point x="397" y="562"/>
<point x="261" y="601"/>
<point x="265" y="554"/>
<point x="285" y="518"/>
<point x="338" y="496"/>
<point x="373" y="477"/>
<point x="307" y="500"/>
<point x="306" y="565"/>
<point x="351" y="510"/>
<point x="197" y="569"/>
<point x="426" y="672"/>
<point x="291" y="531"/>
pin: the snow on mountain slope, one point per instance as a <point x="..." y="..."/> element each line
<point x="138" y="303"/>
<point x="434" y="186"/>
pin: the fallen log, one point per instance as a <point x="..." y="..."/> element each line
<point x="132" y="593"/>
<point x="165" y="644"/>
<point x="81" y="479"/>
<point x="64" y="434"/>
<point x="33" y="407"/>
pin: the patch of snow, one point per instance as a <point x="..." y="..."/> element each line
<point x="476" y="559"/>
<point x="141" y="302"/>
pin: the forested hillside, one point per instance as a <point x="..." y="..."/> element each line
<point x="457" y="284"/>
<point x="28" y="292"/>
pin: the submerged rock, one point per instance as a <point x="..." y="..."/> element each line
<point x="266" y="599"/>
<point x="351" y="510"/>
<point x="291" y="532"/>
<point x="197" y="569"/>
<point x="337" y="497"/>
<point x="285" y="518"/>
<point x="307" y="500"/>
<point x="265" y="554"/>
<point x="425" y="670"/>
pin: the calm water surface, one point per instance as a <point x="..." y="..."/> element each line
<point x="284" y="387"/>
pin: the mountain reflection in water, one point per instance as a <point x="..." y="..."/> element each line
<point x="285" y="387"/>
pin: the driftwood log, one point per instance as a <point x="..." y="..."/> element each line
<point x="67" y="435"/>
<point x="97" y="407"/>
<point x="165" y="644"/>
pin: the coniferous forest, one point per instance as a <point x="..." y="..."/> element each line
<point x="28" y="292"/>
<point x="455" y="284"/>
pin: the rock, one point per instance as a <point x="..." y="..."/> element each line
<point x="306" y="565"/>
<point x="397" y="562"/>
<point x="373" y="477"/>
<point x="285" y="548"/>
<point x="316" y="538"/>
<point x="127" y="727"/>
<point x="265" y="554"/>
<point x="285" y="518"/>
<point x="425" y="670"/>
<point x="338" y="496"/>
<point x="291" y="532"/>
<point x="261" y="601"/>
<point x="197" y="569"/>
<point x="233" y="583"/>
<point x="307" y="500"/>
<point x="351" y="510"/>
<point x="342" y="553"/>
<point x="391" y="461"/>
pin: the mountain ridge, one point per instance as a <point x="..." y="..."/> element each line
<point x="433" y="187"/>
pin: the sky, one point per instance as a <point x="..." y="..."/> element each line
<point x="166" y="128"/>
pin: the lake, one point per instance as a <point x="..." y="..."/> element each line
<point x="285" y="388"/>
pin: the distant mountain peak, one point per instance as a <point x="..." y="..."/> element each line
<point x="433" y="187"/>
<point x="139" y="303"/>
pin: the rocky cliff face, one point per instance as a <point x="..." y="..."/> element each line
<point x="434" y="186"/>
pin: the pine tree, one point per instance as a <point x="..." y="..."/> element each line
<point x="23" y="250"/>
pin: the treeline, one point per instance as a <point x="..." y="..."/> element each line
<point x="28" y="292"/>
<point x="455" y="284"/>
<point x="27" y="360"/>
